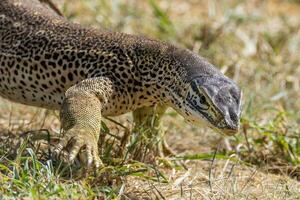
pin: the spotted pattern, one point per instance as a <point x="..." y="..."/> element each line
<point x="42" y="55"/>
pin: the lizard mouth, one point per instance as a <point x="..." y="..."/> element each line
<point x="224" y="132"/>
<point x="230" y="132"/>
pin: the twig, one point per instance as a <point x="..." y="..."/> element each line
<point x="246" y="137"/>
<point x="114" y="121"/>
<point x="160" y="194"/>
<point x="248" y="180"/>
<point x="211" y="167"/>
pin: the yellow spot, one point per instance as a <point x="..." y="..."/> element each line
<point x="56" y="21"/>
<point x="40" y="32"/>
<point x="17" y="24"/>
<point x="18" y="4"/>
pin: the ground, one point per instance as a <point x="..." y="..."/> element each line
<point x="256" y="43"/>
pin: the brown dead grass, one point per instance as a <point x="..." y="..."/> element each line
<point x="227" y="181"/>
<point x="204" y="179"/>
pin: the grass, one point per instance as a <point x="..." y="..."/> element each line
<point x="255" y="43"/>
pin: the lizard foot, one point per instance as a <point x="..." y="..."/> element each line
<point x="166" y="149"/>
<point x="75" y="141"/>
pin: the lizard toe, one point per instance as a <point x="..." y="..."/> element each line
<point x="77" y="146"/>
<point x="89" y="157"/>
<point x="97" y="161"/>
<point x="58" y="149"/>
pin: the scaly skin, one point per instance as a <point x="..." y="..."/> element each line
<point x="49" y="62"/>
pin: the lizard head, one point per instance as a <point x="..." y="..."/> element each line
<point x="208" y="96"/>
<point x="215" y="101"/>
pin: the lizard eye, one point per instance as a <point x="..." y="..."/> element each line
<point x="202" y="100"/>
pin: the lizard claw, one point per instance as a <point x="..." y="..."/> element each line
<point x="72" y="144"/>
<point x="92" y="155"/>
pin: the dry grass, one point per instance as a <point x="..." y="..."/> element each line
<point x="206" y="177"/>
<point x="257" y="43"/>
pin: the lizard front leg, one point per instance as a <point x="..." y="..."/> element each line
<point x="81" y="119"/>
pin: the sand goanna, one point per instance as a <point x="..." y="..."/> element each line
<point x="49" y="62"/>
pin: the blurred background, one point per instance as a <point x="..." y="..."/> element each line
<point x="254" y="42"/>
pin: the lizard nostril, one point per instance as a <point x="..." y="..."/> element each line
<point x="233" y="117"/>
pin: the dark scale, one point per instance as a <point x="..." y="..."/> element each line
<point x="50" y="62"/>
